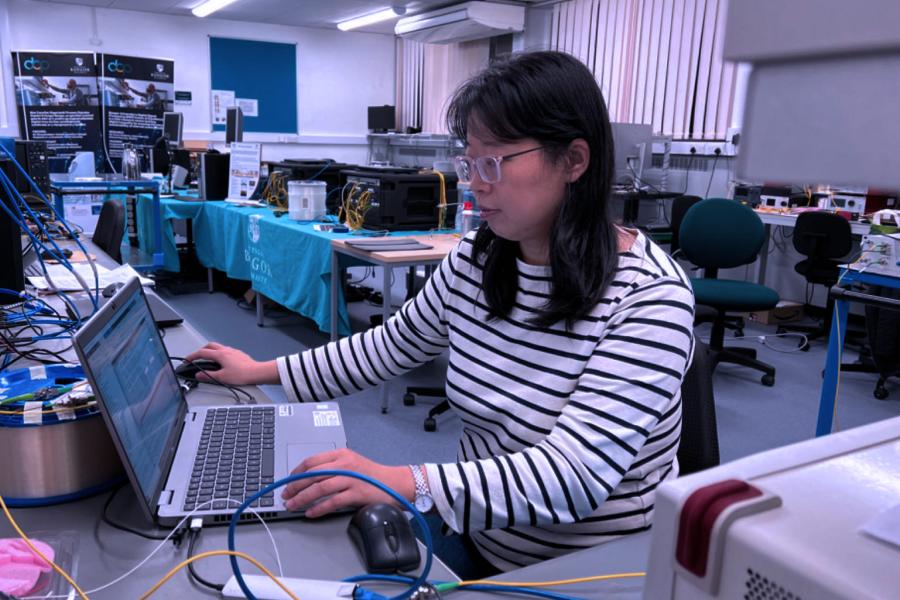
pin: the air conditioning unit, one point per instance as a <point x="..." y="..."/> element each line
<point x="462" y="23"/>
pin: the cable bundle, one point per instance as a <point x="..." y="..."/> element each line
<point x="354" y="207"/>
<point x="33" y="314"/>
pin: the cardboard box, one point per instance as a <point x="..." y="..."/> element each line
<point x="786" y="311"/>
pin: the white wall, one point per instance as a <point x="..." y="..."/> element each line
<point x="339" y="73"/>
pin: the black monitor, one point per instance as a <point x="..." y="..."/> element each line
<point x="234" y="125"/>
<point x="382" y="118"/>
<point x="172" y="127"/>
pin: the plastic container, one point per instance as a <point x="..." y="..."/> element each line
<point x="467" y="219"/>
<point x="306" y="200"/>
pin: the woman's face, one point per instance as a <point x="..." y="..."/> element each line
<point x="523" y="205"/>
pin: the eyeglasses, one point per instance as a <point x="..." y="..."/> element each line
<point x="488" y="166"/>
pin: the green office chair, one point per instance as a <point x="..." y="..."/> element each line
<point x="717" y="233"/>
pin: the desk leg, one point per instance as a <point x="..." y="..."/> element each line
<point x="259" y="309"/>
<point x="764" y="256"/>
<point x="832" y="368"/>
<point x="333" y="301"/>
<point x="209" y="280"/>
<point x="386" y="272"/>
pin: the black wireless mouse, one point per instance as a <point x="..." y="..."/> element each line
<point x="384" y="538"/>
<point x="110" y="290"/>
<point x="189" y="370"/>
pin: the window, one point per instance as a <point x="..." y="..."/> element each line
<point x="656" y="61"/>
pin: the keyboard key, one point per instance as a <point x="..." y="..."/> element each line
<point x="267" y="502"/>
<point x="220" y="504"/>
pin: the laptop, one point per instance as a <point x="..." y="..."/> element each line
<point x="163" y="314"/>
<point x="181" y="458"/>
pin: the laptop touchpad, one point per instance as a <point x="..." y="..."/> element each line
<point x="296" y="453"/>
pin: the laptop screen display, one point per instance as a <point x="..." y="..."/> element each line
<point x="129" y="365"/>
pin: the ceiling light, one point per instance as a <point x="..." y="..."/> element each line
<point x="210" y="6"/>
<point x="381" y="15"/>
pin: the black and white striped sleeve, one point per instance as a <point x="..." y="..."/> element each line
<point x="623" y="417"/>
<point x="414" y="335"/>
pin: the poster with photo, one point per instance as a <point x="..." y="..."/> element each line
<point x="135" y="92"/>
<point x="57" y="100"/>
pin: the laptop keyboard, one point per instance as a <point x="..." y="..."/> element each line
<point x="235" y="459"/>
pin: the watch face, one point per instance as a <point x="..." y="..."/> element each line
<point x="424" y="503"/>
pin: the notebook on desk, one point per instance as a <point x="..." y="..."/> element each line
<point x="387" y="244"/>
<point x="179" y="458"/>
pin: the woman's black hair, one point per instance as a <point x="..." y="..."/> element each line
<point x="554" y="99"/>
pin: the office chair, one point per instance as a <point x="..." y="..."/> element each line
<point x="111" y="229"/>
<point x="699" y="447"/>
<point x="821" y="237"/>
<point x="702" y="314"/>
<point x="717" y="233"/>
<point x="409" y="399"/>
<point x="883" y="356"/>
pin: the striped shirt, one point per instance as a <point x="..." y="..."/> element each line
<point x="566" y="434"/>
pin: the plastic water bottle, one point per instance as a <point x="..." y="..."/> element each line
<point x="470" y="219"/>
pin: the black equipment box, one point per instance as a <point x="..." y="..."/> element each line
<point x="32" y="156"/>
<point x="403" y="199"/>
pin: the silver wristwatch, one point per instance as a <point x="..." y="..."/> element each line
<point x="423" y="502"/>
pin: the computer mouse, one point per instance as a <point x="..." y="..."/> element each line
<point x="110" y="290"/>
<point x="384" y="538"/>
<point x="189" y="370"/>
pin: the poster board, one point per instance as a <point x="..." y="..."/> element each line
<point x="260" y="72"/>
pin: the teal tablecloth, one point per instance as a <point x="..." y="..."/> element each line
<point x="170" y="209"/>
<point x="284" y="260"/>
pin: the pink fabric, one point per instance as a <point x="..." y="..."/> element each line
<point x="20" y="567"/>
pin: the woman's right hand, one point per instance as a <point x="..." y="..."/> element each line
<point x="237" y="368"/>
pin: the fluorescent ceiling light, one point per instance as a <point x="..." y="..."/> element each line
<point x="381" y="15"/>
<point x="210" y="6"/>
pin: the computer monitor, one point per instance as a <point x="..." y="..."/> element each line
<point x="382" y="118"/>
<point x="234" y="125"/>
<point x="172" y="127"/>
<point x="634" y="148"/>
<point x="12" y="277"/>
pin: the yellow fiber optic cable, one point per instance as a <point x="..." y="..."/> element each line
<point x="34" y="549"/>
<point x="246" y="557"/>
<point x="551" y="583"/>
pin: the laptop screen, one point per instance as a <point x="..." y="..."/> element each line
<point x="135" y="384"/>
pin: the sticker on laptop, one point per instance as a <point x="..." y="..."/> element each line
<point x="285" y="410"/>
<point x="326" y="418"/>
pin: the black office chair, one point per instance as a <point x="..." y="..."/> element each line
<point x="718" y="233"/>
<point x="699" y="447"/>
<point x="702" y="314"/>
<point x="111" y="229"/>
<point x="882" y="355"/>
<point x="822" y="237"/>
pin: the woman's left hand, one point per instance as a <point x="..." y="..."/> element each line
<point x="343" y="492"/>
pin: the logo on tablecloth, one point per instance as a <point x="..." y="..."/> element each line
<point x="253" y="228"/>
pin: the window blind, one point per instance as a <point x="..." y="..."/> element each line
<point x="656" y="61"/>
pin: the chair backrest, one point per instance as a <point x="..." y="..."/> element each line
<point x="699" y="448"/>
<point x="111" y="229"/>
<point x="822" y="235"/>
<point x="680" y="206"/>
<point x="718" y="233"/>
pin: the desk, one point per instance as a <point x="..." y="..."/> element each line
<point x="441" y="244"/>
<point x="770" y="218"/>
<point x="139" y="260"/>
<point x="317" y="549"/>
<point x="839" y="323"/>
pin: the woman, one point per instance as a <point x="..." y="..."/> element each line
<point x="568" y="337"/>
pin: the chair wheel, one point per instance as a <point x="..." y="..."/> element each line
<point x="430" y="424"/>
<point x="409" y="399"/>
<point x="384" y="411"/>
<point x="880" y="392"/>
<point x="780" y="330"/>
<point x="805" y="347"/>
<point x="739" y="333"/>
<point x="768" y="380"/>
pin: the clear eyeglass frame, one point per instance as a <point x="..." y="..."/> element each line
<point x="488" y="167"/>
